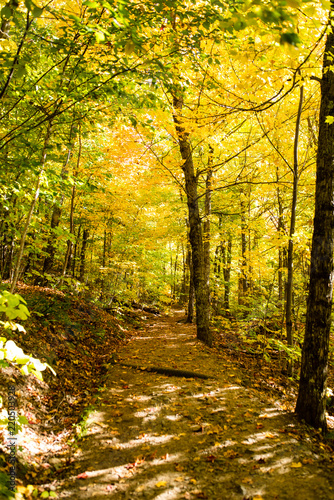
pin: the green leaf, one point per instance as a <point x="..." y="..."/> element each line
<point x="37" y="374"/>
<point x="6" y="12"/>
<point x="22" y="361"/>
<point x="45" y="494"/>
<point x="37" y="11"/>
<point x="13" y="300"/>
<point x="129" y="47"/>
<point x="290" y="39"/>
<point x="91" y="5"/>
<point x="24" y="370"/>
<point x="22" y="419"/>
<point x="99" y="36"/>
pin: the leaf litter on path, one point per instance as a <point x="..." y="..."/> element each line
<point x="161" y="437"/>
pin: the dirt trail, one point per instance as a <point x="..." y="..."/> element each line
<point x="168" y="438"/>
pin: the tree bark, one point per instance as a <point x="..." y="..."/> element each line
<point x="55" y="220"/>
<point x="85" y="237"/>
<point x="32" y="208"/>
<point x="243" y="285"/>
<point x="227" y="272"/>
<point x="289" y="283"/>
<point x="191" y="298"/>
<point x="195" y="226"/>
<point x="206" y="225"/>
<point x="311" y="402"/>
<point x="68" y="255"/>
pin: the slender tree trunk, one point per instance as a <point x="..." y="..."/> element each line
<point x="282" y="250"/>
<point x="195" y="227"/>
<point x="55" y="220"/>
<point x="185" y="276"/>
<point x="174" y="274"/>
<point x="68" y="255"/>
<point x="191" y="298"/>
<point x="32" y="208"/>
<point x="85" y="237"/>
<point x="311" y="402"/>
<point x="206" y="225"/>
<point x="227" y="273"/>
<point x="243" y="278"/>
<point x="289" y="284"/>
<point x="75" y="252"/>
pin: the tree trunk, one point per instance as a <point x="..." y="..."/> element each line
<point x="227" y="272"/>
<point x="195" y="227"/>
<point x="206" y="225"/>
<point x="191" y="299"/>
<point x="243" y="284"/>
<point x="85" y="237"/>
<point x="68" y="255"/>
<point x="311" y="402"/>
<point x="75" y="252"/>
<point x="55" y="220"/>
<point x="289" y="283"/>
<point x="282" y="249"/>
<point x="32" y="208"/>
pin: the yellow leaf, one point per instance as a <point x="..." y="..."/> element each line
<point x="193" y="481"/>
<point x="270" y="435"/>
<point x="129" y="47"/>
<point x="257" y="497"/>
<point x="247" y="480"/>
<point x="296" y="465"/>
<point x="161" y="484"/>
<point x="216" y="429"/>
<point x="21" y="489"/>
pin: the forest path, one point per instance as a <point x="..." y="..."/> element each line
<point x="168" y="438"/>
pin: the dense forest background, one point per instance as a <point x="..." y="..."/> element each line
<point x="154" y="152"/>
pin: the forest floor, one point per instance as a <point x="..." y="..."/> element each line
<point x="164" y="437"/>
<point x="151" y="436"/>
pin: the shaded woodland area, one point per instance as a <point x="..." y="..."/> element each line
<point x="163" y="154"/>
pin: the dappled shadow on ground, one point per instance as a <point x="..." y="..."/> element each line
<point x="159" y="437"/>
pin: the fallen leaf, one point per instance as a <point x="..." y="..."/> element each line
<point x="216" y="429"/>
<point x="270" y="435"/>
<point x="230" y="454"/>
<point x="247" y="480"/>
<point x="296" y="465"/>
<point x="161" y="484"/>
